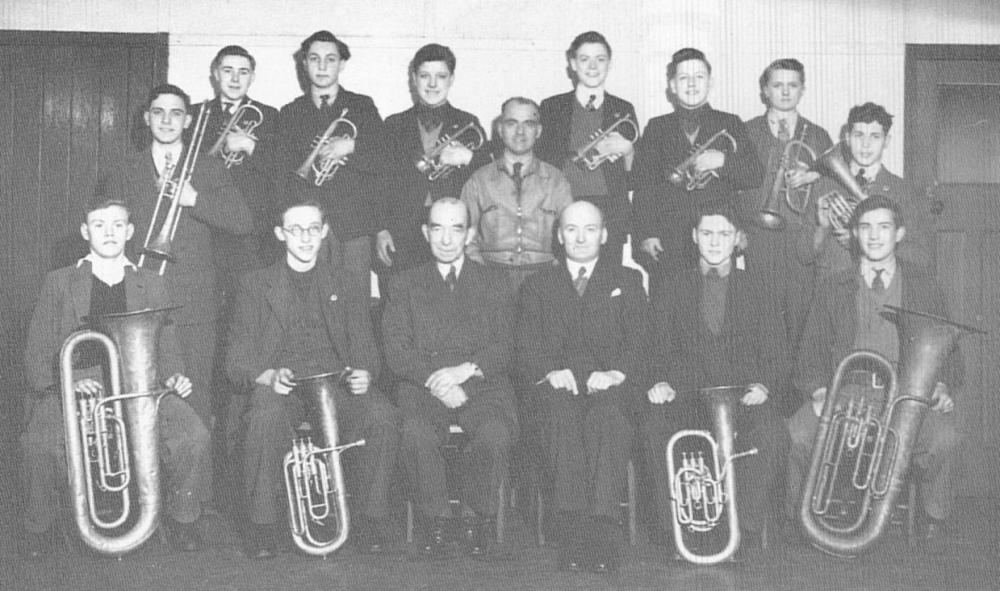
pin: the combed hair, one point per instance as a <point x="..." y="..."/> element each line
<point x="682" y="55"/>
<point x="588" y="37"/>
<point x="433" y="52"/>
<point x="785" y="63"/>
<point x="162" y="89"/>
<point x="325" y="37"/>
<point x="869" y="113"/>
<point x="233" y="50"/>
<point x="873" y="202"/>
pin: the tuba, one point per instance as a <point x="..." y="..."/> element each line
<point x="589" y="158"/>
<point x="314" y="480"/>
<point x="796" y="199"/>
<point x="703" y="483"/>
<point x="246" y="118"/>
<point x="161" y="245"/>
<point x="832" y="163"/>
<point x="430" y="163"/>
<point x="685" y="172"/>
<point x="111" y="438"/>
<point x="326" y="167"/>
<point x="863" y="449"/>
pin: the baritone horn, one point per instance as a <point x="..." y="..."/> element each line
<point x="324" y="168"/>
<point x="863" y="448"/>
<point x="430" y="163"/>
<point x="769" y="216"/>
<point x="160" y="245"/>
<point x="703" y="482"/>
<point x="589" y="158"/>
<point x="833" y="164"/>
<point x="111" y="437"/>
<point x="246" y="118"/>
<point x="314" y="480"/>
<point x="685" y="171"/>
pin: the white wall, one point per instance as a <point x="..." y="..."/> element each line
<point x="853" y="49"/>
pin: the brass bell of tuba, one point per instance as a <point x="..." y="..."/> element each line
<point x="841" y="207"/>
<point x="314" y="480"/>
<point x="703" y="482"/>
<point x="111" y="438"/>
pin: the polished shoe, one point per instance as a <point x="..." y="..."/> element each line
<point x="183" y="537"/>
<point x="261" y="543"/>
<point x="37" y="545"/>
<point x="478" y="532"/>
<point x="434" y="542"/>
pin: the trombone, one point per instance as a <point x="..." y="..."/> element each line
<point x="246" y="118"/>
<point x="685" y="171"/>
<point x="324" y="168"/>
<point x="430" y="163"/>
<point x="589" y="157"/>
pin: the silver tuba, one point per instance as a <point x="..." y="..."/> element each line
<point x="703" y="483"/>
<point x="314" y="480"/>
<point x="684" y="174"/>
<point x="111" y="438"/>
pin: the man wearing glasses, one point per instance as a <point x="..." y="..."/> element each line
<point x="515" y="201"/>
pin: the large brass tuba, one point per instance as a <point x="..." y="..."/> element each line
<point x="430" y="163"/>
<point x="769" y="216"/>
<point x="703" y="483"/>
<point x="862" y="452"/>
<point x="246" y="118"/>
<point x="685" y="173"/>
<point x="314" y="480"/>
<point x="833" y="164"/>
<point x="111" y="438"/>
<point x="323" y="169"/>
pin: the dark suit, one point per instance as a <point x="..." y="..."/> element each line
<point x="749" y="349"/>
<point x="63" y="303"/>
<point x="427" y="327"/>
<point x="587" y="436"/>
<point x="260" y="330"/>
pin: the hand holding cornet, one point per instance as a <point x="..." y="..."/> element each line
<point x="800" y="177"/>
<point x="337" y="149"/>
<point x="358" y="381"/>
<point x="755" y="394"/>
<point x="453" y="397"/>
<point x="455" y="154"/>
<point x="180" y="384"/>
<point x="600" y="381"/>
<point x="661" y="393"/>
<point x="562" y="379"/>
<point x="239" y="140"/>
<point x="709" y="160"/>
<point x="614" y="146"/>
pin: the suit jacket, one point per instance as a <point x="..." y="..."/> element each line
<point x="833" y="322"/>
<point x="752" y="337"/>
<point x="405" y="210"/>
<point x="261" y="321"/>
<point x="63" y="303"/>
<point x="553" y="147"/>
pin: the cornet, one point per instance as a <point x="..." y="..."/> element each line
<point x="430" y="163"/>
<point x="796" y="199"/>
<point x="588" y="157"/>
<point x="246" y="118"/>
<point x="326" y="167"/>
<point x="685" y="171"/>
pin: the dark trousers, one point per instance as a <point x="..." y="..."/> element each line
<point x="183" y="450"/>
<point x="271" y="421"/>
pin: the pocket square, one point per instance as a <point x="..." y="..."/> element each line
<point x="616" y="292"/>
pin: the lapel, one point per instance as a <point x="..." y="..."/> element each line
<point x="332" y="304"/>
<point x="80" y="286"/>
<point x="279" y="297"/>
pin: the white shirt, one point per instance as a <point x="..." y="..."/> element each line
<point x="574" y="268"/>
<point x="888" y="267"/>
<point x="583" y="95"/>
<point x="110" y="271"/>
<point x="791" y="119"/>
<point x="870" y="172"/>
<point x="444" y="269"/>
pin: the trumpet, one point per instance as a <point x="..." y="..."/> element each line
<point x="796" y="199"/>
<point x="326" y="167"/>
<point x="430" y="163"/>
<point x="588" y="157"/>
<point x="685" y="172"/>
<point x="841" y="207"/>
<point x="246" y="118"/>
<point x="314" y="480"/>
<point x="703" y="490"/>
<point x="161" y="245"/>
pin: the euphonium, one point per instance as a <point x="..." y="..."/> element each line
<point x="769" y="216"/>
<point x="685" y="172"/>
<point x="314" y="481"/>
<point x="430" y="163"/>
<point x="833" y="164"/>
<point x="864" y="451"/>
<point x="246" y="118"/>
<point x="326" y="167"/>
<point x="703" y="483"/>
<point x="161" y="245"/>
<point x="111" y="438"/>
<point x="588" y="157"/>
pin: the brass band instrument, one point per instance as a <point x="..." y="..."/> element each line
<point x="324" y="168"/>
<point x="833" y="164"/>
<point x="796" y="199"/>
<point x="111" y="438"/>
<point x="862" y="452"/>
<point x="246" y="118"/>
<point x="314" y="480"/>
<point x="160" y="245"/>
<point x="685" y="171"/>
<point x="703" y="483"/>
<point x="589" y="158"/>
<point x="430" y="163"/>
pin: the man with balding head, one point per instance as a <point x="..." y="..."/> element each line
<point x="581" y="330"/>
<point x="447" y="336"/>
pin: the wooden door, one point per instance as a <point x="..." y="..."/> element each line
<point x="953" y="145"/>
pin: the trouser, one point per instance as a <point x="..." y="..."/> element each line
<point x="183" y="449"/>
<point x="271" y="421"/>
<point x="518" y="273"/>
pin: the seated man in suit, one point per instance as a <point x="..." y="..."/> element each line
<point x="297" y="318"/>
<point x="844" y="318"/>
<point x="581" y="338"/>
<point x="715" y="325"/>
<point x="447" y="335"/>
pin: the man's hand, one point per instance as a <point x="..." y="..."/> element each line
<point x="447" y="378"/>
<point x="614" y="146"/>
<point x="600" y="381"/>
<point x="756" y="394"/>
<point x="944" y="403"/>
<point x="800" y="177"/>
<point x="239" y="140"/>
<point x="709" y="160"/>
<point x="280" y="380"/>
<point x="338" y="148"/>
<point x="88" y="386"/>
<point x="180" y="384"/>
<point x="562" y="379"/>
<point x="453" y="397"/>
<point x="188" y="195"/>
<point x="653" y="247"/>
<point x="661" y="392"/>
<point x="383" y="246"/>
<point x="818" y="398"/>
<point x="455" y="154"/>
<point x="358" y="381"/>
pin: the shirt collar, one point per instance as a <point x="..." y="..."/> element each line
<point x="888" y="271"/>
<point x="583" y="96"/>
<point x="724" y="269"/>
<point x="574" y="268"/>
<point x="109" y="271"/>
<point x="792" y="119"/>
<point x="533" y="167"/>
<point x="870" y="171"/>
<point x="443" y="269"/>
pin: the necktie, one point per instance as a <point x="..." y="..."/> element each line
<point x="518" y="181"/>
<point x="228" y="107"/>
<point x="783" y="135"/>
<point x="451" y="278"/>
<point x="168" y="164"/>
<point x="580" y="283"/>
<point x="590" y="103"/>
<point x="860" y="177"/>
<point x="325" y="101"/>
<point x="878" y="286"/>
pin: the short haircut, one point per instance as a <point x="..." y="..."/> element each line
<point x="433" y="52"/>
<point x="162" y="89"/>
<point x="709" y="209"/>
<point x="100" y="201"/>
<point x="449" y="201"/>
<point x="785" y="63"/>
<point x="683" y="55"/>
<point x="293" y="202"/>
<point x="869" y="113"/>
<point x="877" y="201"/>
<point x="583" y="38"/>
<point x="520" y="100"/>
<point x="236" y="50"/>
<point x="600" y="212"/>
<point x="324" y="37"/>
